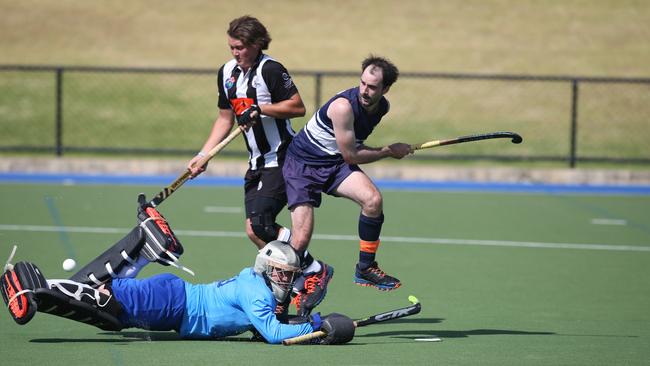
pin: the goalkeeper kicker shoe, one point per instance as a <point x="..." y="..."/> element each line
<point x="375" y="277"/>
<point x="314" y="291"/>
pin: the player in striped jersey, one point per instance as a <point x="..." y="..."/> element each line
<point x="324" y="157"/>
<point x="253" y="86"/>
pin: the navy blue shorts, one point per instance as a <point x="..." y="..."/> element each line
<point x="306" y="183"/>
<point x="154" y="303"/>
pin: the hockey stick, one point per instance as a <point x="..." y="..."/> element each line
<point x="167" y="191"/>
<point x="516" y="139"/>
<point x="377" y="318"/>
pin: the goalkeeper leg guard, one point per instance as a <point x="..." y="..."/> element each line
<point x="25" y="291"/>
<point x="123" y="256"/>
<point x="18" y="284"/>
<point x="151" y="241"/>
<point x="82" y="303"/>
<point x="161" y="244"/>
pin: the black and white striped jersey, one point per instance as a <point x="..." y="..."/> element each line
<point x="267" y="81"/>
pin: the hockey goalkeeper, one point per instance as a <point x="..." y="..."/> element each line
<point x="105" y="293"/>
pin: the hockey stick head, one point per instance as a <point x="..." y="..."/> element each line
<point x="515" y="138"/>
<point x="413" y="309"/>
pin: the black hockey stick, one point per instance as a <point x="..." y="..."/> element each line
<point x="516" y="139"/>
<point x="377" y="318"/>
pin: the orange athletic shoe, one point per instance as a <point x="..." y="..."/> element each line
<point x="314" y="291"/>
<point x="375" y="277"/>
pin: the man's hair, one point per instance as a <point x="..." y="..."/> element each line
<point x="250" y="31"/>
<point x="388" y="69"/>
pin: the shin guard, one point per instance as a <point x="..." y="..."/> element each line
<point x="109" y="264"/>
<point x="80" y="302"/>
<point x="161" y="244"/>
<point x="26" y="291"/>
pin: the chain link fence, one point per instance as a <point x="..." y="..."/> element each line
<point x="70" y="110"/>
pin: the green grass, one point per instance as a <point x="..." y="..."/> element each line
<point x="176" y="111"/>
<point x="599" y="38"/>
<point x="139" y="110"/>
<point x="493" y="305"/>
<point x="584" y="38"/>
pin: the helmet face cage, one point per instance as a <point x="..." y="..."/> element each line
<point x="278" y="263"/>
<point x="281" y="280"/>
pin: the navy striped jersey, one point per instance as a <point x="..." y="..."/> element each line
<point x="315" y="144"/>
<point x="267" y="81"/>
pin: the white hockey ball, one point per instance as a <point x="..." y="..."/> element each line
<point x="69" y="264"/>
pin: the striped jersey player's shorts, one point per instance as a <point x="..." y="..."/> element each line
<point x="267" y="183"/>
<point x="154" y="303"/>
<point x="306" y="183"/>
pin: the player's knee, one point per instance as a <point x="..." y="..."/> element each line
<point x="259" y="231"/>
<point x="373" y="206"/>
<point x="263" y="226"/>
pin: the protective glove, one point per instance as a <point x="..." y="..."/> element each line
<point x="245" y="118"/>
<point x="338" y="327"/>
<point x="142" y="202"/>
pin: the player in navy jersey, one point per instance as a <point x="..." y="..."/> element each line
<point x="253" y="86"/>
<point x="324" y="157"/>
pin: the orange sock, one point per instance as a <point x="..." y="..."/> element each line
<point x="367" y="251"/>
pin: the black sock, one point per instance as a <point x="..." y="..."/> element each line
<point x="369" y="230"/>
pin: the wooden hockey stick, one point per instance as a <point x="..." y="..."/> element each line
<point x="178" y="182"/>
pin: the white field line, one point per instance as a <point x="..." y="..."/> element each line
<point x="608" y="222"/>
<point x="397" y="239"/>
<point x="222" y="209"/>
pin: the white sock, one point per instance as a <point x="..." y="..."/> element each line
<point x="284" y="235"/>
<point x="314" y="267"/>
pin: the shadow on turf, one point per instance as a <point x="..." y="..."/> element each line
<point x="409" y="334"/>
<point x="452" y="333"/>
<point x="417" y="321"/>
<point x="122" y="337"/>
<point x="145" y="336"/>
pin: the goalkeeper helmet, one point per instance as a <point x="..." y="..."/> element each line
<point x="279" y="264"/>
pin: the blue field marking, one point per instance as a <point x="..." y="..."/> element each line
<point x="513" y="187"/>
<point x="63" y="235"/>
<point x="387" y="184"/>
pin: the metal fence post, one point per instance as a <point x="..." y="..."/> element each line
<point x="59" y="112"/>
<point x="574" y="123"/>
<point x="317" y="76"/>
<point x="572" y="155"/>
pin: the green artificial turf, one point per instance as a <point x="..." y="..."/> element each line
<point x="503" y="278"/>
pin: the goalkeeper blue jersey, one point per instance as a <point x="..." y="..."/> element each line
<point x="233" y="306"/>
<point x="214" y="310"/>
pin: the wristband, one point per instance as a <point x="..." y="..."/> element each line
<point x="315" y="321"/>
<point x="201" y="154"/>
